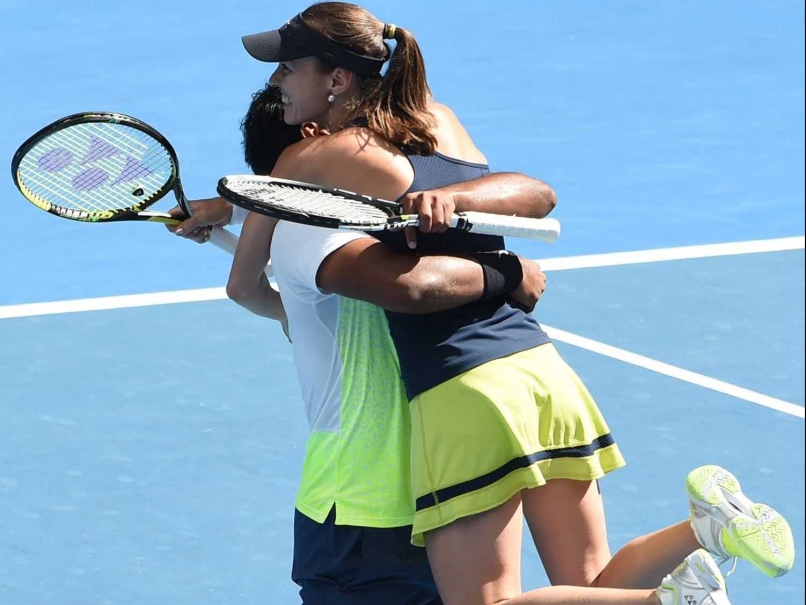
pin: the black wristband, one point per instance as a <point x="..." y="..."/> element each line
<point x="502" y="273"/>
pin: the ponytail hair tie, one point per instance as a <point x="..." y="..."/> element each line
<point x="389" y="30"/>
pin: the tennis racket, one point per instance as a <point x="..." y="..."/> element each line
<point x="102" y="167"/>
<point x="338" y="209"/>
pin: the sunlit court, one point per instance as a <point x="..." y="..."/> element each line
<point x="152" y="432"/>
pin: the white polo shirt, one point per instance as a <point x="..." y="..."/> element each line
<point x="357" y="455"/>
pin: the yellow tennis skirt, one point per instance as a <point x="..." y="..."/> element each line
<point x="507" y="425"/>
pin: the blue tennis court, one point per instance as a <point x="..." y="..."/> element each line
<point x="151" y="432"/>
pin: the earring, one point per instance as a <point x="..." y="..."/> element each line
<point x="331" y="98"/>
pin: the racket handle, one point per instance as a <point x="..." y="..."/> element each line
<point x="228" y="242"/>
<point x="544" y="229"/>
<point x="224" y="240"/>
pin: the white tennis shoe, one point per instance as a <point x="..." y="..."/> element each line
<point x="696" y="581"/>
<point x="729" y="525"/>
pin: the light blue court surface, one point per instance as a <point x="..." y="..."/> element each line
<point x="150" y="455"/>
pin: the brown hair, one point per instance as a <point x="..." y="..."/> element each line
<point x="395" y="105"/>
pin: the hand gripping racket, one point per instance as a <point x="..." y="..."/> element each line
<point x="102" y="167"/>
<point x="338" y="209"/>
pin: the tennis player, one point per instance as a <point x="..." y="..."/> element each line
<point x="354" y="506"/>
<point x="501" y="426"/>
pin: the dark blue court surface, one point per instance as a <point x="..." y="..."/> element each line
<point x="150" y="455"/>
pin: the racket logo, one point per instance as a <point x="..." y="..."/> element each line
<point x="102" y="164"/>
<point x="99" y="152"/>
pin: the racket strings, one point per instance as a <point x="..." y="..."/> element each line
<point x="90" y="188"/>
<point x="58" y="189"/>
<point x="103" y="152"/>
<point x="309" y="201"/>
<point x="96" y="166"/>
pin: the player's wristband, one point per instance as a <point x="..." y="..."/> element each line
<point x="502" y="273"/>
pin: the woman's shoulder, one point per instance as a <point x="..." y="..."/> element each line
<point x="359" y="139"/>
<point x="353" y="141"/>
<point x="353" y="158"/>
<point x="441" y="111"/>
<point x="452" y="138"/>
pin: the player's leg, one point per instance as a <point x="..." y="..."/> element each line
<point x="476" y="561"/>
<point x="567" y="521"/>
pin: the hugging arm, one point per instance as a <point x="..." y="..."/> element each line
<point x="506" y="193"/>
<point x="368" y="270"/>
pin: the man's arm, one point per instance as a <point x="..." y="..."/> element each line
<point x="506" y="193"/>
<point x="366" y="269"/>
<point x="369" y="270"/>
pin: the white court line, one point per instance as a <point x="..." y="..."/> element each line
<point x="105" y="303"/>
<point x="674" y="371"/>
<point x="548" y="264"/>
<point x="556" y="264"/>
<point x="665" y="254"/>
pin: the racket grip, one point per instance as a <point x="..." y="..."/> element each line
<point x="544" y="229"/>
<point x="228" y="242"/>
<point x="223" y="239"/>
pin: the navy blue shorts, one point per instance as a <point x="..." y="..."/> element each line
<point x="348" y="565"/>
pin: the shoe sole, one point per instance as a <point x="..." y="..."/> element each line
<point x="754" y="532"/>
